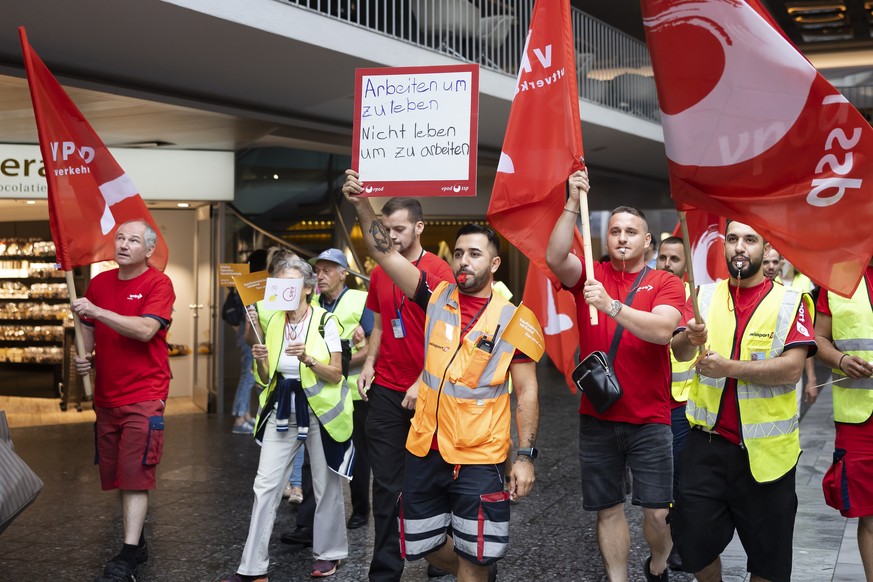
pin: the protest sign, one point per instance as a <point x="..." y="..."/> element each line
<point x="283" y="294"/>
<point x="416" y="130"/>
<point x="251" y="286"/>
<point x="227" y="271"/>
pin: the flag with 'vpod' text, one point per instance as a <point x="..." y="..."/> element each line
<point x="753" y="133"/>
<point x="89" y="195"/>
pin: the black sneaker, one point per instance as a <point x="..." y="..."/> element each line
<point x="117" y="571"/>
<point x="663" y="577"/>
<point x="301" y="536"/>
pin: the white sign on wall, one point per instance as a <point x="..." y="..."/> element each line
<point x="157" y="174"/>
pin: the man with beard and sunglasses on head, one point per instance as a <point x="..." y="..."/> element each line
<point x="739" y="463"/>
<point x="635" y="431"/>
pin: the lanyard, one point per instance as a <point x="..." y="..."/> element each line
<point x="475" y="317"/>
<point x="397" y="310"/>
<point x="333" y="305"/>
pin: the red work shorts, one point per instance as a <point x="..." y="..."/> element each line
<point x="848" y="483"/>
<point x="130" y="441"/>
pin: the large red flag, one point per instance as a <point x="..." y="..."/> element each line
<point x="89" y="195"/>
<point x="706" y="231"/>
<point x="556" y="312"/>
<point x="754" y="133"/>
<point x="543" y="142"/>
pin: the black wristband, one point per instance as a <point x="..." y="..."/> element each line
<point x="840" y="363"/>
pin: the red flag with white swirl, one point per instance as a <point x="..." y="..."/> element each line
<point x="754" y="133"/>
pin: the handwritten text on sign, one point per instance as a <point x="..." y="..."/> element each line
<point x="416" y="130"/>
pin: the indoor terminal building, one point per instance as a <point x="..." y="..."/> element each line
<point x="235" y="121"/>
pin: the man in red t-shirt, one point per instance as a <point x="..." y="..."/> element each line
<point x="635" y="431"/>
<point x="393" y="365"/>
<point x="739" y="462"/>
<point x="844" y="333"/>
<point x="125" y="315"/>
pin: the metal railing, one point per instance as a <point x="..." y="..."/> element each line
<point x="613" y="69"/>
<point x="861" y="97"/>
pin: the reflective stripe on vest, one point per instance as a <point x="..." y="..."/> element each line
<point x="767" y="414"/>
<point x="331" y="403"/>
<point x="463" y="395"/>
<point x="852" y="332"/>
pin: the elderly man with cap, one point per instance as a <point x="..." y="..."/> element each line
<point x="331" y="270"/>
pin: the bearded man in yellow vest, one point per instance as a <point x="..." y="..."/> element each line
<point x="738" y="467"/>
<point x="460" y="434"/>
<point x="844" y="333"/>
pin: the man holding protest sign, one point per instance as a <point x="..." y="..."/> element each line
<point x="394" y="362"/>
<point x="460" y="433"/>
<point x="635" y="431"/>
<point x="125" y="314"/>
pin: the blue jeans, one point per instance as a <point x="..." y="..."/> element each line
<point x="242" y="402"/>
<point x="297" y="470"/>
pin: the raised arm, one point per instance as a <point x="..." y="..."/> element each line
<point x="563" y="263"/>
<point x="404" y="274"/>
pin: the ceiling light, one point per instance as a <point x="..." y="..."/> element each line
<point x="30" y="201"/>
<point x="275" y="176"/>
<point x="183" y="205"/>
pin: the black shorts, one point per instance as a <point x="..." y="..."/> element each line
<point x="468" y="498"/>
<point x="718" y="494"/>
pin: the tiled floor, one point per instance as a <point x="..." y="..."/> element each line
<point x="199" y="514"/>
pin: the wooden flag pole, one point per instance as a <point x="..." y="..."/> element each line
<point x="689" y="269"/>
<point x="77" y="324"/>
<point x="586" y="246"/>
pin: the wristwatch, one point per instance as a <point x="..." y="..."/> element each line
<point x="615" y="308"/>
<point x="531" y="452"/>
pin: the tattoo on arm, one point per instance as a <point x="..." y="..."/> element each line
<point x="381" y="239"/>
<point x="531" y="440"/>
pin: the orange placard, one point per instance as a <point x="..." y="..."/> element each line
<point x="251" y="286"/>
<point x="524" y="332"/>
<point x="227" y="271"/>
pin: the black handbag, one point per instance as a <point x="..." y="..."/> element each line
<point x="595" y="375"/>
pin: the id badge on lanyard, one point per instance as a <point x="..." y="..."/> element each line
<point x="397" y="326"/>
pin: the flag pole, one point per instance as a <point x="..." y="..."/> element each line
<point x="689" y="269"/>
<point x="77" y="325"/>
<point x="586" y="246"/>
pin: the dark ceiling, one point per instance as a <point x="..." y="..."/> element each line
<point x="813" y="25"/>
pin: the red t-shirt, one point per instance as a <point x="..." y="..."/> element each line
<point x="128" y="370"/>
<point x="642" y="368"/>
<point x="849" y="434"/>
<point x="401" y="360"/>
<point x="801" y="335"/>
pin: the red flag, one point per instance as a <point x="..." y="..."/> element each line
<point x="89" y="195"/>
<point x="543" y="142"/>
<point x="706" y="232"/>
<point x="556" y="312"/>
<point x="754" y="133"/>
